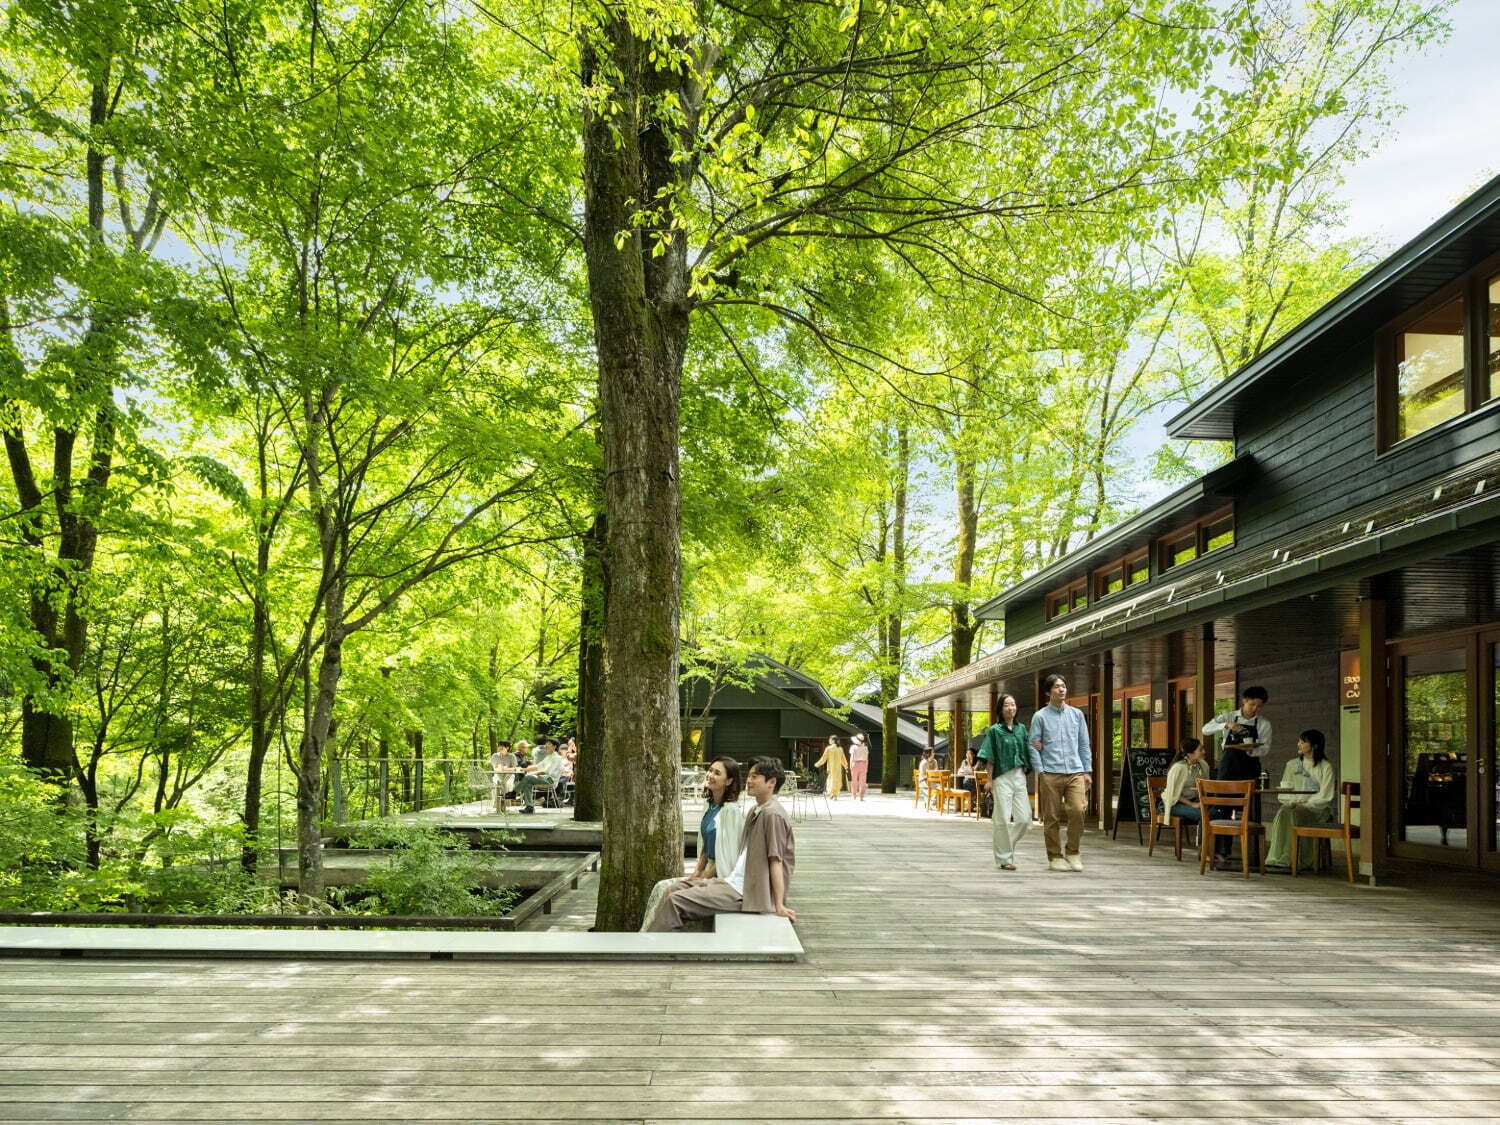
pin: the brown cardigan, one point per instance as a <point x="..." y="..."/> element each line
<point x="768" y="834"/>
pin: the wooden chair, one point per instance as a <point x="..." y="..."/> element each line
<point x="981" y="780"/>
<point x="1217" y="796"/>
<point x="1154" y="789"/>
<point x="937" y="781"/>
<point x="1346" y="830"/>
<point x="962" y="800"/>
<point x="916" y="787"/>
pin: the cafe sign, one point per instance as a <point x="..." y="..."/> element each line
<point x="1349" y="681"/>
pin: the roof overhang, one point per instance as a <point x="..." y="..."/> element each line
<point x="1202" y="496"/>
<point x="1439" y="517"/>
<point x="1461" y="239"/>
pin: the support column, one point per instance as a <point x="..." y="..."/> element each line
<point x="931" y="724"/>
<point x="1104" y="779"/>
<point x="1203" y="688"/>
<point x="994" y="704"/>
<point x="958" y="732"/>
<point x="1375" y="814"/>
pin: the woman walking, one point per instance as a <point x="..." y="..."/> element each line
<point x="833" y="758"/>
<point x="1004" y="748"/>
<point x="859" y="766"/>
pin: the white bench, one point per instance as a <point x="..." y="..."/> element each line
<point x="735" y="937"/>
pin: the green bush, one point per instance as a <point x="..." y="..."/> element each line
<point x="430" y="872"/>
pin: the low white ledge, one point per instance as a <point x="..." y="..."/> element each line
<point x="735" y="937"/>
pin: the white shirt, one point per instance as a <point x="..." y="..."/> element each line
<point x="1218" y="724"/>
<point x="736" y="878"/>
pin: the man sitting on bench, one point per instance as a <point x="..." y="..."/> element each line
<point x="546" y="768"/>
<point x="761" y="876"/>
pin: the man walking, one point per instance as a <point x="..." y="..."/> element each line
<point x="1063" y="762"/>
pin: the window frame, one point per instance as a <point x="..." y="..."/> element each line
<point x="1065" y="596"/>
<point x="1473" y="288"/>
<point x="1125" y="565"/>
<point x="1198" y="529"/>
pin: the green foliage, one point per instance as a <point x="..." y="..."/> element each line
<point x="432" y="872"/>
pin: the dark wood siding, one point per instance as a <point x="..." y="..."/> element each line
<point x="743" y="735"/>
<point x="1025" y="619"/>
<point x="1316" y="452"/>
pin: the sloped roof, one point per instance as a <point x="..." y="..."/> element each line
<point x="906" y="730"/>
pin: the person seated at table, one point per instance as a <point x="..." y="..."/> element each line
<point x="523" y="753"/>
<point x="1311" y="774"/>
<point x="762" y="873"/>
<point x="544" y="771"/>
<point x="963" y="777"/>
<point x="925" y="765"/>
<point x="502" y="773"/>
<point x="721" y="830"/>
<point x="1180" y="795"/>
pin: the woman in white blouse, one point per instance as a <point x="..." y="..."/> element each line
<point x="1180" y="795"/>
<point x="1311" y="773"/>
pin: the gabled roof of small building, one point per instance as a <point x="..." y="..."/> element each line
<point x="906" y="730"/>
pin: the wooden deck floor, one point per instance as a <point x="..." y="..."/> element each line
<point x="935" y="989"/>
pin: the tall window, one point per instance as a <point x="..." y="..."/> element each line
<point x="1430" y="370"/>
<point x="1442" y="361"/>
<point x="1492" y="335"/>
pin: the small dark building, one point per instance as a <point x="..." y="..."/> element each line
<point x="767" y="709"/>
<point x="1347" y="559"/>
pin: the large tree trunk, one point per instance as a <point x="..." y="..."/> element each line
<point x="47" y="735"/>
<point x="310" y="761"/>
<point x="640" y="309"/>
<point x="890" y="676"/>
<point x="964" y="626"/>
<point x="588" y="771"/>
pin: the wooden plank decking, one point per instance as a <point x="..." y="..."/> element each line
<point x="934" y="989"/>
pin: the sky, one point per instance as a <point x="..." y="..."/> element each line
<point x="1441" y="146"/>
<point x="1444" y="144"/>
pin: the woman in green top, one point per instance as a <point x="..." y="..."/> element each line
<point x="1004" y="748"/>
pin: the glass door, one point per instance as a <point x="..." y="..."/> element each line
<point x="1436" y="787"/>
<point x="1487" y="773"/>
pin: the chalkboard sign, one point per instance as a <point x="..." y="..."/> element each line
<point x="1134" y="802"/>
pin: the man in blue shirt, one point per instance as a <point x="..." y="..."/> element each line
<point x="1064" y="765"/>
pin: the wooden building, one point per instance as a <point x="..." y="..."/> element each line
<point x="1347" y="558"/>
<point x="765" y="709"/>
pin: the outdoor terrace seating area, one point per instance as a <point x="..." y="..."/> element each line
<point x="934" y="989"/>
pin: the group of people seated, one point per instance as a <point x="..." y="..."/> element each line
<point x="1308" y="782"/>
<point x="524" y="771"/>
<point x="745" y="861"/>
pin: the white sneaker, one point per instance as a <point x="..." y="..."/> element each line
<point x="1058" y="864"/>
<point x="1074" y="863"/>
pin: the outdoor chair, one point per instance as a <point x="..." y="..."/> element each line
<point x="1154" y="788"/>
<point x="936" y="781"/>
<point x="1346" y="830"/>
<point x="1217" y="798"/>
<point x="961" y="799"/>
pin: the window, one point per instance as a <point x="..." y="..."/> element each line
<point x="1492" y="336"/>
<point x="1116" y="576"/>
<point x="1430" y="370"/>
<point x="1211" y="533"/>
<point x="1070" y="599"/>
<point x="1442" y="360"/>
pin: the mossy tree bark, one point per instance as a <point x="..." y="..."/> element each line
<point x="638" y="285"/>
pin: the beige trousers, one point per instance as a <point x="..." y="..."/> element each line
<point x="687" y="900"/>
<point x="1062" y="794"/>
